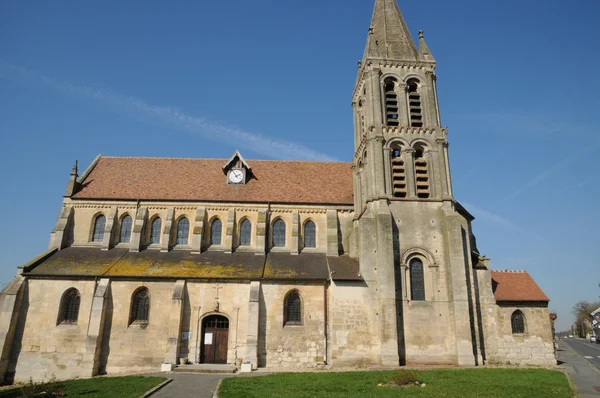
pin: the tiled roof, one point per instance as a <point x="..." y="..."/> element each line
<point x="516" y="286"/>
<point x="204" y="180"/>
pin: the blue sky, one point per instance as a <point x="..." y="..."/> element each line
<point x="517" y="82"/>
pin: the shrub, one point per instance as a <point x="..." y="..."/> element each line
<point x="47" y="388"/>
<point x="403" y="377"/>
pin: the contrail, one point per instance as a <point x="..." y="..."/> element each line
<point x="279" y="149"/>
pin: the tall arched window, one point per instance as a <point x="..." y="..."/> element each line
<point x="398" y="173"/>
<point x="155" y="231"/>
<point x="69" y="307"/>
<point x="215" y="232"/>
<point x="292" y="308"/>
<point x="417" y="280"/>
<point x="421" y="172"/>
<point x="279" y="233"/>
<point x="391" y="102"/>
<point x="99" y="224"/>
<point x="310" y="234"/>
<point x="414" y="103"/>
<point x="245" y="232"/>
<point x="183" y="231"/>
<point x="140" y="307"/>
<point x="125" y="233"/>
<point x="517" y="322"/>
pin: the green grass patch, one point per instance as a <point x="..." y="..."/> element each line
<point x="101" y="387"/>
<point x="496" y="383"/>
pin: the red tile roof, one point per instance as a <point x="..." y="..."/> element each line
<point x="204" y="180"/>
<point x="516" y="286"/>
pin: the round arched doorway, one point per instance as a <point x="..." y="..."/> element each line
<point x="215" y="336"/>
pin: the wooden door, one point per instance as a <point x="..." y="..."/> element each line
<point x="215" y="336"/>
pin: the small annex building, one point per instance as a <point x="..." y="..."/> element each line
<point x="284" y="264"/>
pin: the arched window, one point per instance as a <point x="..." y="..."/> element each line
<point x="183" y="231"/>
<point x="517" y="321"/>
<point x="215" y="232"/>
<point x="99" y="224"/>
<point x="292" y="308"/>
<point x="398" y="173"/>
<point x="391" y="102"/>
<point x="69" y="307"/>
<point x="310" y="234"/>
<point x="279" y="233"/>
<point x="155" y="231"/>
<point x="140" y="307"/>
<point x="414" y="103"/>
<point x="125" y="234"/>
<point x="245" y="233"/>
<point x="417" y="280"/>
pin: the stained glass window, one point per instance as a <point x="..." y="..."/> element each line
<point x="310" y="234"/>
<point x="517" y="322"/>
<point x="183" y="231"/>
<point x="69" y="307"/>
<point x="125" y="234"/>
<point x="99" y="224"/>
<point x="279" y="233"/>
<point x="140" y="306"/>
<point x="417" y="280"/>
<point x="245" y="233"/>
<point x="293" y="309"/>
<point x="155" y="231"/>
<point x="215" y="232"/>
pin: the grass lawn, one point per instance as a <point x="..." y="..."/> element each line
<point x="115" y="387"/>
<point x="462" y="383"/>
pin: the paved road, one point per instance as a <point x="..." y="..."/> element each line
<point x="589" y="351"/>
<point x="584" y="374"/>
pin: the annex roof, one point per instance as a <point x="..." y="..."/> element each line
<point x="175" y="179"/>
<point x="82" y="262"/>
<point x="516" y="286"/>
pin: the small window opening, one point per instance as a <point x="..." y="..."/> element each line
<point x="414" y="103"/>
<point x="293" y="309"/>
<point x="99" y="224"/>
<point x="155" y="231"/>
<point x="310" y="234"/>
<point x="417" y="280"/>
<point x="398" y="174"/>
<point x="183" y="231"/>
<point x="279" y="233"/>
<point x="140" y="307"/>
<point x="125" y="233"/>
<point x="216" y="232"/>
<point x="517" y="322"/>
<point x="69" y="307"/>
<point x="391" y="102"/>
<point x="245" y="233"/>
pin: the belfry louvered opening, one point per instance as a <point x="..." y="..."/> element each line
<point x="398" y="174"/>
<point x="421" y="174"/>
<point x="391" y="102"/>
<point x="414" y="103"/>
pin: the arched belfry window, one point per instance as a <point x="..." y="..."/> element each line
<point x="517" y="322"/>
<point x="414" y="103"/>
<point x="310" y="234"/>
<point x="279" y="233"/>
<point x="155" y="231"/>
<point x="140" y="307"/>
<point x="292" y="308"/>
<point x="99" y="224"/>
<point x="417" y="280"/>
<point x="183" y="231"/>
<point x="392" y="117"/>
<point x="245" y="233"/>
<point x="398" y="173"/>
<point x="421" y="172"/>
<point x="69" y="307"/>
<point x="215" y="232"/>
<point x="125" y="232"/>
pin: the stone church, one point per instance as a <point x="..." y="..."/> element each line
<point x="283" y="264"/>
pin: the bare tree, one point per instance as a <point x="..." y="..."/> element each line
<point x="583" y="316"/>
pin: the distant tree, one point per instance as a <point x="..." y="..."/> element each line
<point x="583" y="316"/>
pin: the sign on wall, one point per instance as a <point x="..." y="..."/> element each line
<point x="208" y="337"/>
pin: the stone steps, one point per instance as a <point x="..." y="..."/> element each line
<point x="205" y="368"/>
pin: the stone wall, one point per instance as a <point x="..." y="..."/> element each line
<point x="534" y="347"/>
<point x="291" y="346"/>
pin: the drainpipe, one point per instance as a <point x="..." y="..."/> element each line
<point x="325" y="307"/>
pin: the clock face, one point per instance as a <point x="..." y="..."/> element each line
<point x="235" y="176"/>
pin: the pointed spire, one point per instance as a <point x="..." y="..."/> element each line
<point x="389" y="37"/>
<point x="424" y="53"/>
<point x="73" y="185"/>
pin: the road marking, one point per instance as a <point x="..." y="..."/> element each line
<point x="588" y="357"/>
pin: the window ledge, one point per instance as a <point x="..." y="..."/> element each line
<point x="139" y="325"/>
<point x="181" y="247"/>
<point x="280" y="249"/>
<point x="215" y="248"/>
<point x="67" y="325"/>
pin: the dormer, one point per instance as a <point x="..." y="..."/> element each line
<point x="236" y="170"/>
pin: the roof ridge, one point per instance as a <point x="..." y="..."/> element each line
<point x="224" y="159"/>
<point x="511" y="271"/>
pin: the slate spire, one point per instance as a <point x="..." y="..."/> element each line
<point x="73" y="185"/>
<point x="389" y="37"/>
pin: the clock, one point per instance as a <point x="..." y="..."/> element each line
<point x="236" y="176"/>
